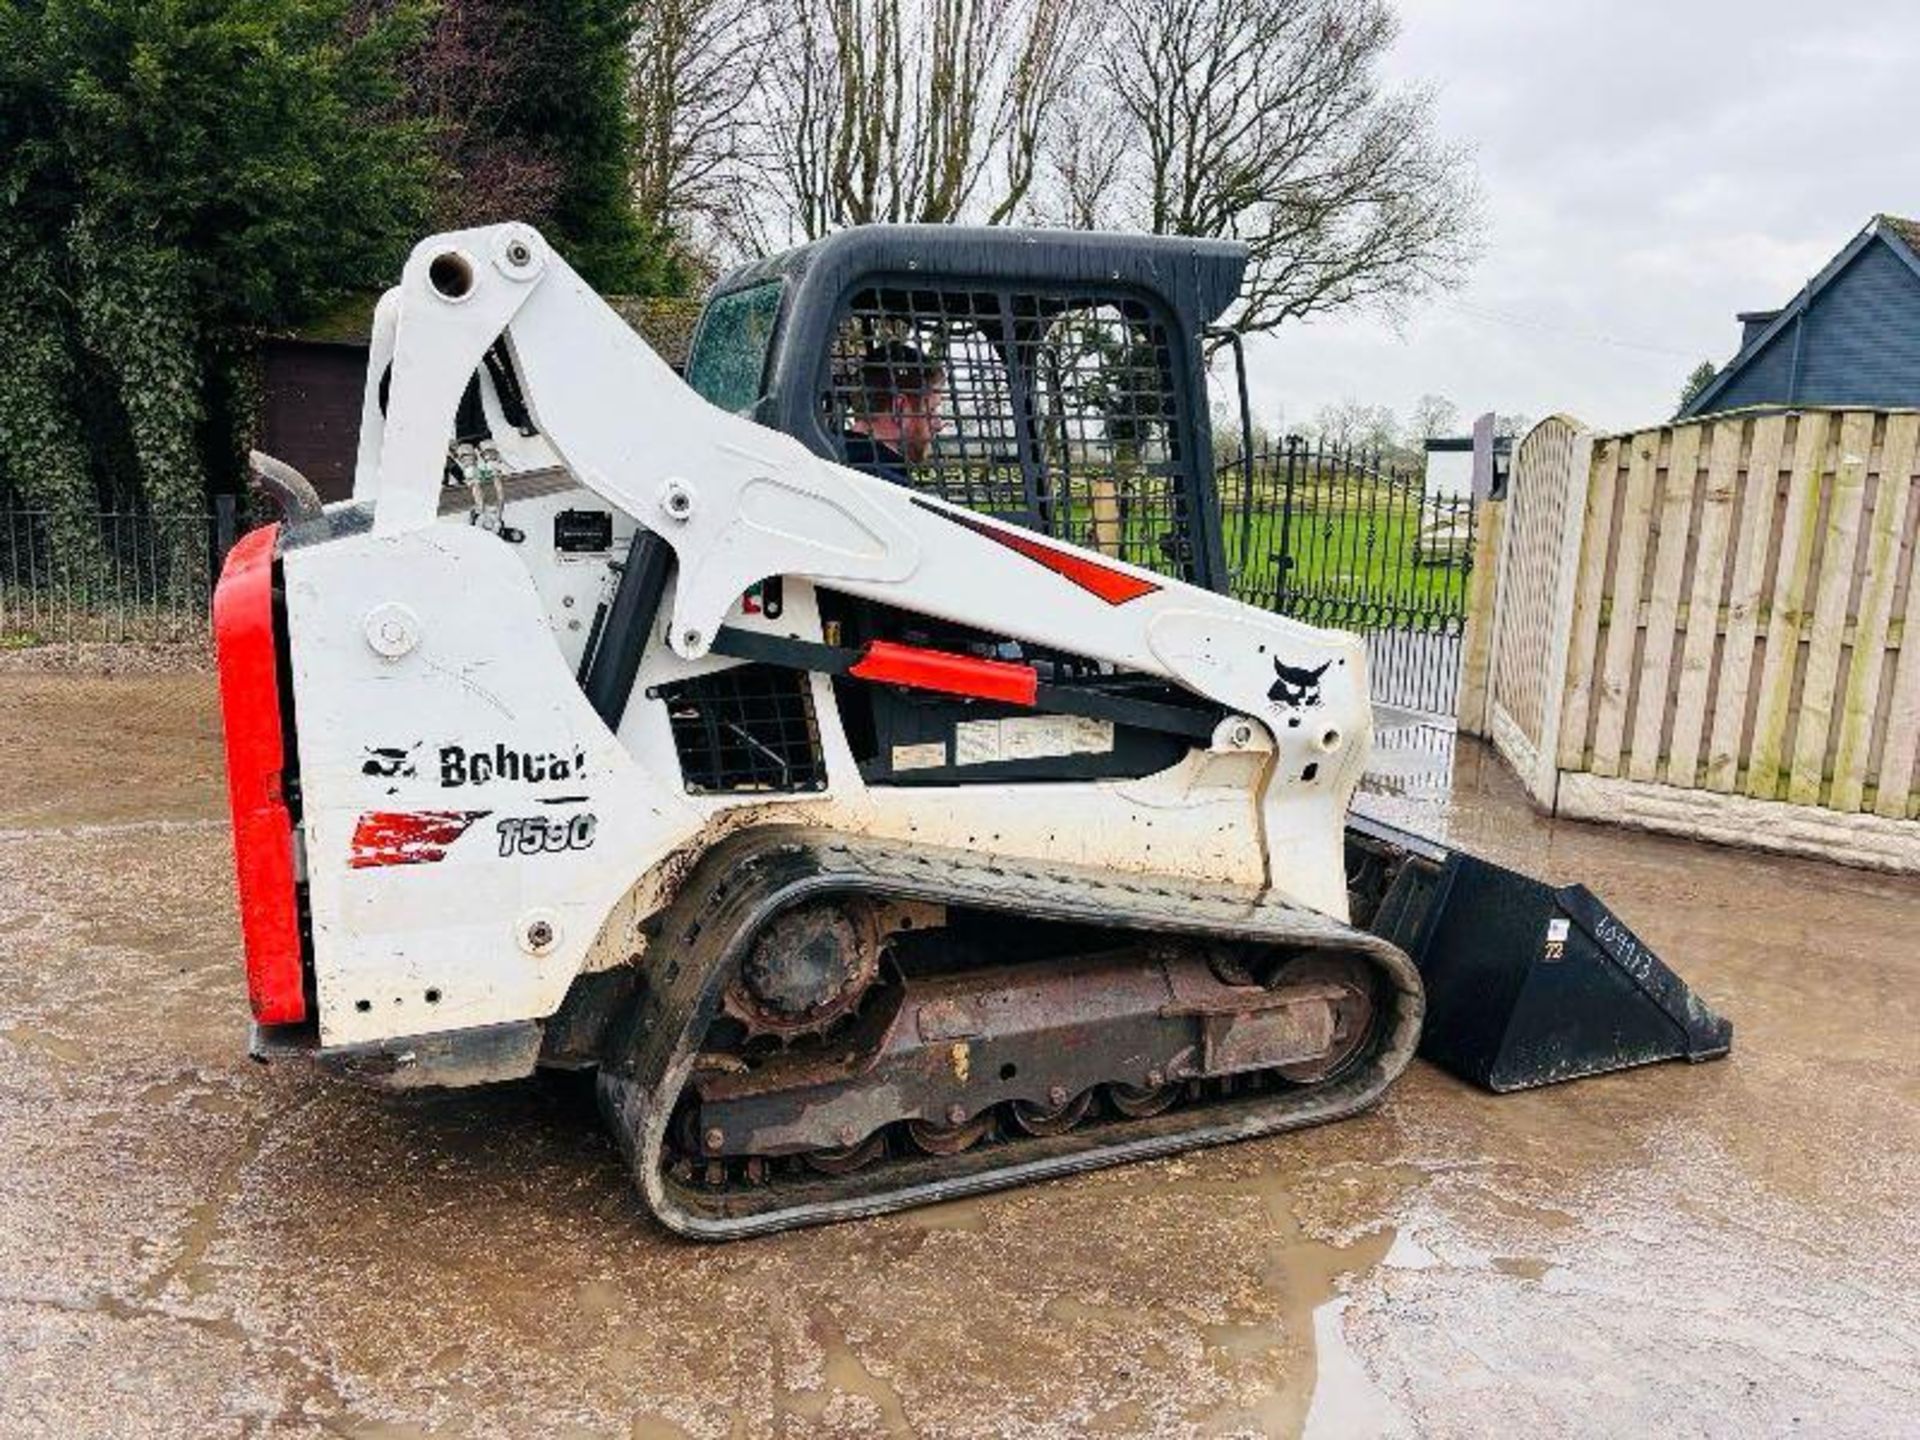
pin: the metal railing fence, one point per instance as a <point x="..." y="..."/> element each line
<point x="1333" y="536"/>
<point x="117" y="575"/>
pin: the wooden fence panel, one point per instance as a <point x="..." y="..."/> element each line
<point x="1538" y="556"/>
<point x="1703" y="604"/>
<point x="1674" y="519"/>
<point x="1837" y="564"/>
<point x="1533" y="528"/>
<point x="1761" y="487"/>
<point x="1871" y="664"/>
<point x="1732" y="634"/>
<point x="1787" y="618"/>
<point x="1623" y="593"/>
<point x="1583" y="641"/>
<point x="1899" y="787"/>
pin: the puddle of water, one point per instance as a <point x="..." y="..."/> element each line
<point x="32" y="1037"/>
<point x="597" y="1299"/>
<point x="969" y="1215"/>
<point x="1347" y="1405"/>
<point x="1128" y="1418"/>
<point x="843" y="1373"/>
<point x="1304" y="1275"/>
<point x="1408" y="1253"/>
<point x="1524" y="1266"/>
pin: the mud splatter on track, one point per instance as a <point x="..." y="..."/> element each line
<point x="190" y="1243"/>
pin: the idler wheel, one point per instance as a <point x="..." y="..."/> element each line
<point x="1353" y="1012"/>
<point x="949" y="1139"/>
<point x="848" y="1158"/>
<point x="1046" y="1120"/>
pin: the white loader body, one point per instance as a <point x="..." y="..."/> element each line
<point x="472" y="836"/>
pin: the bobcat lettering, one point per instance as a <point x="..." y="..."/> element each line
<point x="461" y="766"/>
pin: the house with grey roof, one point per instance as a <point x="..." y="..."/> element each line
<point x="1850" y="337"/>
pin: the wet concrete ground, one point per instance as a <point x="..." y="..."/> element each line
<point x="191" y="1244"/>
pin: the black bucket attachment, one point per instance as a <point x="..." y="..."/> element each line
<point x="1526" y="984"/>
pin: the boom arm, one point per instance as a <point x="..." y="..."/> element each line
<point x="739" y="503"/>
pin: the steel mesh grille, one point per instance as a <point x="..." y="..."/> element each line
<point x="1054" y="410"/>
<point x="1108" y="434"/>
<point x="750" y="727"/>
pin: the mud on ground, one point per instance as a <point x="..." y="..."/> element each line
<point x="191" y="1244"/>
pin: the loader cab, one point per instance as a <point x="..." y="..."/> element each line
<point x="1071" y="382"/>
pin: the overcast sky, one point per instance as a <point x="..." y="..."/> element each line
<point x="1648" y="170"/>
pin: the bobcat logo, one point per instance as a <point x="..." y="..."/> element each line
<point x="389" y="762"/>
<point x="1296" y="689"/>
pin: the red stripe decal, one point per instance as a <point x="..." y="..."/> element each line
<point x="1116" y="587"/>
<point x="407" y="837"/>
<point x="893" y="664"/>
<point x="262" y="828"/>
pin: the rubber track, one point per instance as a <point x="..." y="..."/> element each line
<point x="748" y="878"/>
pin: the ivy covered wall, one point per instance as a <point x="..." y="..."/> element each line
<point x="182" y="177"/>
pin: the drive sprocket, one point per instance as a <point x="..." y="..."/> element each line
<point x="807" y="970"/>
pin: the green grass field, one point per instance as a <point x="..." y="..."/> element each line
<point x="1356" y="553"/>
<point x="1362" y="550"/>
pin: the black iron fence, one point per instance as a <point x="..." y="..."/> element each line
<point x="1333" y="536"/>
<point x="110" y="576"/>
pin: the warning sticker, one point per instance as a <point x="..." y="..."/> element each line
<point x="1557" y="931"/>
<point x="976" y="742"/>
<point x="1029" y="737"/>
<point x="929" y="756"/>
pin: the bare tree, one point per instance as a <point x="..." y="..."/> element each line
<point x="1264" y="121"/>
<point x="458" y="78"/>
<point x="1352" y="424"/>
<point x="697" y="66"/>
<point x="912" y="110"/>
<point x="1084" y="153"/>
<point x="1433" y="415"/>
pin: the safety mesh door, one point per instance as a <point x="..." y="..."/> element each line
<point x="1057" y="410"/>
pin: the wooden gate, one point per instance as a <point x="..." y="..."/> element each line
<point x="1538" y="566"/>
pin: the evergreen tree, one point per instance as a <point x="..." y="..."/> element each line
<point x="1702" y="376"/>
<point x="180" y="176"/>
<point x="567" y="94"/>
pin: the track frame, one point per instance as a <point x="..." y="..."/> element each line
<point x="746" y="880"/>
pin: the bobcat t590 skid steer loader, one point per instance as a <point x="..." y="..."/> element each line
<point x="875" y="842"/>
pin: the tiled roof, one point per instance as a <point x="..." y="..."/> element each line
<point x="1907" y="230"/>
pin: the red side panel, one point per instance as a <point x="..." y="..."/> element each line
<point x="1116" y="587"/>
<point x="893" y="664"/>
<point x="262" y="828"/>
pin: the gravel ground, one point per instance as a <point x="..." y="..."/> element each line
<point x="191" y="1244"/>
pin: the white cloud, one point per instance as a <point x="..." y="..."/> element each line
<point x="1649" y="170"/>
